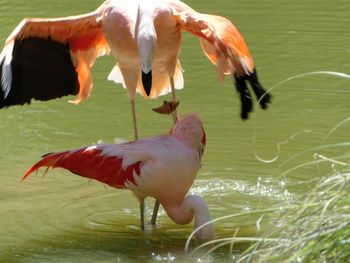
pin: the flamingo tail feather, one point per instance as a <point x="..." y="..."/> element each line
<point x="91" y="162"/>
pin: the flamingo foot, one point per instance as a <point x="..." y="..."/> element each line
<point x="167" y="108"/>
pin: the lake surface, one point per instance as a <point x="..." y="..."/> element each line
<point x="248" y="165"/>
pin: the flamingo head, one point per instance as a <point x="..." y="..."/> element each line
<point x="190" y="129"/>
<point x="193" y="206"/>
<point x="203" y="226"/>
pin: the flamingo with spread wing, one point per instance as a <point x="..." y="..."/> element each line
<point x="45" y="59"/>
<point x="163" y="167"/>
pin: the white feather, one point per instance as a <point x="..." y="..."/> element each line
<point x="116" y="76"/>
<point x="178" y="81"/>
<point x="6" y="76"/>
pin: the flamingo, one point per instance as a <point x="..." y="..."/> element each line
<point x="163" y="167"/>
<point x="46" y="58"/>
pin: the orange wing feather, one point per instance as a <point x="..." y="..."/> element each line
<point x="84" y="35"/>
<point x="233" y="40"/>
<point x="220" y="40"/>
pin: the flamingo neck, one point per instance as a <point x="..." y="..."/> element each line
<point x="193" y="206"/>
<point x="146" y="37"/>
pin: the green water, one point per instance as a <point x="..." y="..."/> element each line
<point x="64" y="218"/>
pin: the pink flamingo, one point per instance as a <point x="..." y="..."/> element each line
<point x="163" y="167"/>
<point x="45" y="59"/>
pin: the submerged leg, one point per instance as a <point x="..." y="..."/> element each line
<point x="142" y="214"/>
<point x="155" y="212"/>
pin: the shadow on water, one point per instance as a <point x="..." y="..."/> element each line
<point x="159" y="245"/>
<point x="97" y="247"/>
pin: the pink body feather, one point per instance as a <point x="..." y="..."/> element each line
<point x="163" y="167"/>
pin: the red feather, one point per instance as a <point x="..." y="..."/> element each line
<point x="91" y="163"/>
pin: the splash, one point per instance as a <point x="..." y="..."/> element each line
<point x="269" y="188"/>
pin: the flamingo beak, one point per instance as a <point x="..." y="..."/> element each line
<point x="147" y="82"/>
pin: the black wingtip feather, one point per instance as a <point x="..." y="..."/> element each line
<point x="42" y="69"/>
<point x="263" y="97"/>
<point x="245" y="96"/>
<point x="261" y="94"/>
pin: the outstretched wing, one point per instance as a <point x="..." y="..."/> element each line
<point x="220" y="40"/>
<point x="45" y="59"/>
<point x="92" y="162"/>
<point x="224" y="45"/>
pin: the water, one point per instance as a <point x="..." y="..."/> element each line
<point x="64" y="218"/>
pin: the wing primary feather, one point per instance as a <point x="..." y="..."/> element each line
<point x="43" y="58"/>
<point x="36" y="68"/>
<point x="6" y="71"/>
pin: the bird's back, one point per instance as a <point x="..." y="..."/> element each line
<point x="175" y="159"/>
<point x="169" y="171"/>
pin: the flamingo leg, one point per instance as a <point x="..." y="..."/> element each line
<point x="133" y="112"/>
<point x="142" y="214"/>
<point x="142" y="202"/>
<point x="155" y="212"/>
<point x="176" y="118"/>
<point x="174" y="113"/>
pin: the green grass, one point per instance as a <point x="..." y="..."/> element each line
<point x="316" y="228"/>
